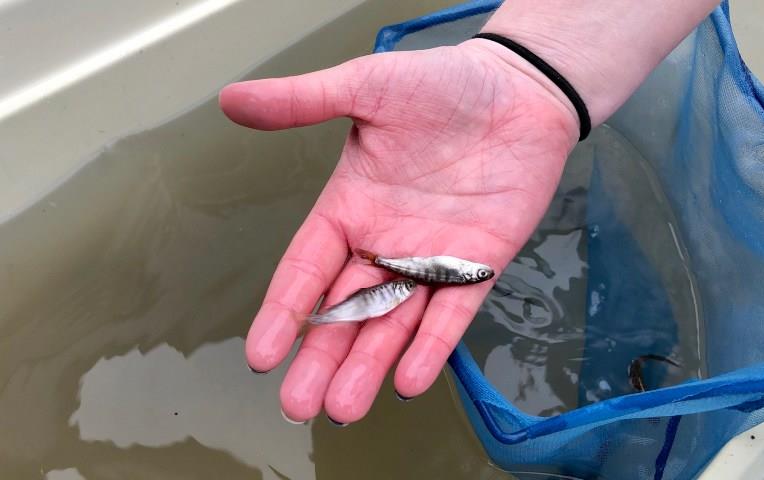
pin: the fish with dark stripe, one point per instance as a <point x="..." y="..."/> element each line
<point x="438" y="269"/>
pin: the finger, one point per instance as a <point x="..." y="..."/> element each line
<point x="312" y="261"/>
<point x="379" y="343"/>
<point x="278" y="103"/>
<point x="323" y="349"/>
<point x="445" y="320"/>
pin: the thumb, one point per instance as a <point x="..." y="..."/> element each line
<point x="278" y="103"/>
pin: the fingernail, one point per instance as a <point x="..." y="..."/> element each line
<point x="339" y="424"/>
<point x="293" y="422"/>
<point x="401" y="397"/>
<point x="256" y="372"/>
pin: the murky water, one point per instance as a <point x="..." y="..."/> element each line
<point x="550" y="336"/>
<point x="125" y="294"/>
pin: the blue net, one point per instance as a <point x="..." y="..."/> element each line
<point x="698" y="122"/>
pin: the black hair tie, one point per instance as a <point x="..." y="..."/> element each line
<point x="552" y="74"/>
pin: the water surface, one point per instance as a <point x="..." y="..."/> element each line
<point x="550" y="337"/>
<point x="126" y="293"/>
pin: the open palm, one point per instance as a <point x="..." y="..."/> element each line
<point x="453" y="152"/>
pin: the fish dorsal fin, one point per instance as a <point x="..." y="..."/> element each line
<point x="360" y="291"/>
<point x="363" y="290"/>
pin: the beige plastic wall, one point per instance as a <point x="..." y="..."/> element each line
<point x="77" y="75"/>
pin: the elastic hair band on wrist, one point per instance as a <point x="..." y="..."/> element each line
<point x="553" y="75"/>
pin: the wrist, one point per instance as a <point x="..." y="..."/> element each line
<point x="604" y="48"/>
<point x="566" y="52"/>
<point x="537" y="87"/>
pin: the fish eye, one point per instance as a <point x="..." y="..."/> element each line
<point x="482" y="273"/>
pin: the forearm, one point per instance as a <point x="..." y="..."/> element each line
<point x="605" y="48"/>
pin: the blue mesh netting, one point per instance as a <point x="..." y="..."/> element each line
<point x="699" y="122"/>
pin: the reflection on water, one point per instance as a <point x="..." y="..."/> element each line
<point x="208" y="398"/>
<point x="534" y="300"/>
<point x="551" y="337"/>
<point x="125" y="294"/>
<point x="529" y="333"/>
<point x="66" y="474"/>
<point x="164" y="397"/>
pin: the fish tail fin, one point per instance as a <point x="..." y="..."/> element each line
<point x="304" y="327"/>
<point x="305" y="320"/>
<point x="317" y="319"/>
<point x="366" y="255"/>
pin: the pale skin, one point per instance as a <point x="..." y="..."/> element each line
<point x="454" y="151"/>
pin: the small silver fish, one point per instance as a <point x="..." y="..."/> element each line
<point x="440" y="269"/>
<point x="367" y="303"/>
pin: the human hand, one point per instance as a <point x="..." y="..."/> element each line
<point x="454" y="151"/>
